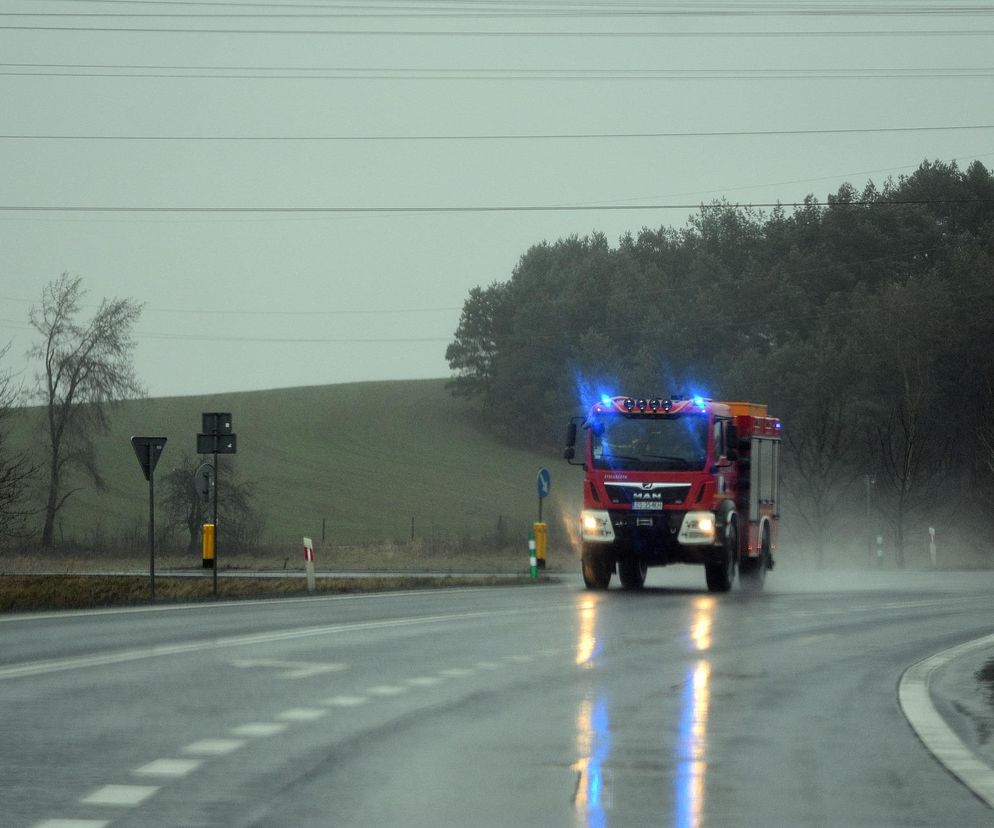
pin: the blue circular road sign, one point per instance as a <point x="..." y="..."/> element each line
<point x="543" y="482"/>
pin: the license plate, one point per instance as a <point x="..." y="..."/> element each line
<point x="647" y="506"/>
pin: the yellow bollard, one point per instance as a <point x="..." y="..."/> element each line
<point x="541" y="540"/>
<point x="207" y="545"/>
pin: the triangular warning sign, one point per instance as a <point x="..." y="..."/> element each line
<point x="148" y="450"/>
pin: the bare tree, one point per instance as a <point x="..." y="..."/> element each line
<point x="85" y="367"/>
<point x="15" y="469"/>
<point x="186" y="512"/>
<point x="911" y="463"/>
<point x="984" y="436"/>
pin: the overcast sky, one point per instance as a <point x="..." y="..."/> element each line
<point x="427" y="104"/>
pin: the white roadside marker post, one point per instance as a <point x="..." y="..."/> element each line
<point x="532" y="561"/>
<point x="309" y="563"/>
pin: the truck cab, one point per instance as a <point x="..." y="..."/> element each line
<point x="677" y="480"/>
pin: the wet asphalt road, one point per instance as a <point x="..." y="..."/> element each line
<point x="544" y="706"/>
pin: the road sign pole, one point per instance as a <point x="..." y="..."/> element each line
<point x="216" y="437"/>
<point x="151" y="521"/>
<point x="148" y="450"/>
<point x="217" y="480"/>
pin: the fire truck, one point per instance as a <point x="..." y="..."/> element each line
<point x="679" y="480"/>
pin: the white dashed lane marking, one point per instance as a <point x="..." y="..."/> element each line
<point x="424" y="681"/>
<point x="132" y="795"/>
<point x="345" y="701"/>
<point x="123" y="796"/>
<point x="259" y="729"/>
<point x="386" y="690"/>
<point x="302" y="714"/>
<point x="173" y="768"/>
<point x="290" y="669"/>
<point x="214" y="747"/>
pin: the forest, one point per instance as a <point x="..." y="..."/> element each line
<point x="865" y="322"/>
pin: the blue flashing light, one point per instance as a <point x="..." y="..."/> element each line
<point x="700" y="403"/>
<point x="606" y="399"/>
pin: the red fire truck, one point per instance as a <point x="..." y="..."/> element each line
<point x="679" y="480"/>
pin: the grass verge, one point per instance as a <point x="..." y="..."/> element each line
<point x="28" y="593"/>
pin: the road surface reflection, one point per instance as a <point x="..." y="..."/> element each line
<point x="593" y="731"/>
<point x="691" y="758"/>
<point x="593" y="724"/>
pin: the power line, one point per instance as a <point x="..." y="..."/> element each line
<point x="309" y="340"/>
<point x="271" y="312"/>
<point x="491" y="75"/>
<point x="473" y="209"/>
<point x="552" y="136"/>
<point x="483" y="33"/>
<point x="521" y="10"/>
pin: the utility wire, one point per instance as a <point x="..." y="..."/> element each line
<point x="511" y="76"/>
<point x="134" y="71"/>
<point x="533" y="10"/>
<point x="553" y="136"/>
<point x="483" y="33"/>
<point x="478" y="209"/>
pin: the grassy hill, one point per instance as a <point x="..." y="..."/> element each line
<point x="366" y="458"/>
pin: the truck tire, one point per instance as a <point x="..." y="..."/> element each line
<point x="632" y="572"/>
<point x="721" y="574"/>
<point x="752" y="572"/>
<point x="597" y="566"/>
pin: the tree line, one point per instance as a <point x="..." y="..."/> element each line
<point x="865" y="322"/>
<point x="84" y="368"/>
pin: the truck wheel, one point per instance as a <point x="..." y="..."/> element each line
<point x="752" y="573"/>
<point x="632" y="572"/>
<point x="597" y="567"/>
<point x="720" y="575"/>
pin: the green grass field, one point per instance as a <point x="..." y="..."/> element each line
<point x="364" y="458"/>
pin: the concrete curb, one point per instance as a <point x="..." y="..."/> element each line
<point x="931" y="728"/>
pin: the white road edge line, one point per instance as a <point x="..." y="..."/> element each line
<point x="223" y="605"/>
<point x="37" y="668"/>
<point x="931" y="728"/>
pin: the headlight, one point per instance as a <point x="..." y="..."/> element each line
<point x="596" y="525"/>
<point x="697" y="528"/>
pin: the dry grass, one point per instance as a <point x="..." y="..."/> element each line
<point x="406" y="557"/>
<point x="64" y="580"/>
<point x="25" y="593"/>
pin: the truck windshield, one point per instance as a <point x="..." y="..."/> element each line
<point x="650" y="443"/>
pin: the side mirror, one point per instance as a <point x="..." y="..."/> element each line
<point x="571" y="434"/>
<point x="569" y="453"/>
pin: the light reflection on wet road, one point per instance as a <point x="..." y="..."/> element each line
<point x="692" y="741"/>
<point x="593" y="726"/>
